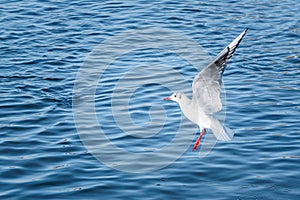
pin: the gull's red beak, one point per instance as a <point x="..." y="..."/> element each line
<point x="167" y="98"/>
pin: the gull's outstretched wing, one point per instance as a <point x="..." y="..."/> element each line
<point x="207" y="84"/>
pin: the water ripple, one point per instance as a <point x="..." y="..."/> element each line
<point x="43" y="45"/>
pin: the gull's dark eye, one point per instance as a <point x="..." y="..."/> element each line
<point x="174" y="95"/>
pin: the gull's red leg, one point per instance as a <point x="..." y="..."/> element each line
<point x="198" y="140"/>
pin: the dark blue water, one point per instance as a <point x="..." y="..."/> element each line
<point x="43" y="46"/>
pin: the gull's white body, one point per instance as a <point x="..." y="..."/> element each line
<point x="206" y="94"/>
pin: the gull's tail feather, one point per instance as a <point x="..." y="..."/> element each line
<point x="221" y="132"/>
<point x="229" y="132"/>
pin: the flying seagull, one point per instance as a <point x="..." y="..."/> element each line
<point x="206" y="95"/>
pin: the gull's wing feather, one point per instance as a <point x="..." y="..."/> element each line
<point x="207" y="84"/>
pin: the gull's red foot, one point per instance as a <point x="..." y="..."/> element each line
<point x="197" y="143"/>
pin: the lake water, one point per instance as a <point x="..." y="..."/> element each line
<point x="81" y="104"/>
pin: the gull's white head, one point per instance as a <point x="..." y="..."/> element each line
<point x="176" y="96"/>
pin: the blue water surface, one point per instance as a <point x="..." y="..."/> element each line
<point x="44" y="44"/>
